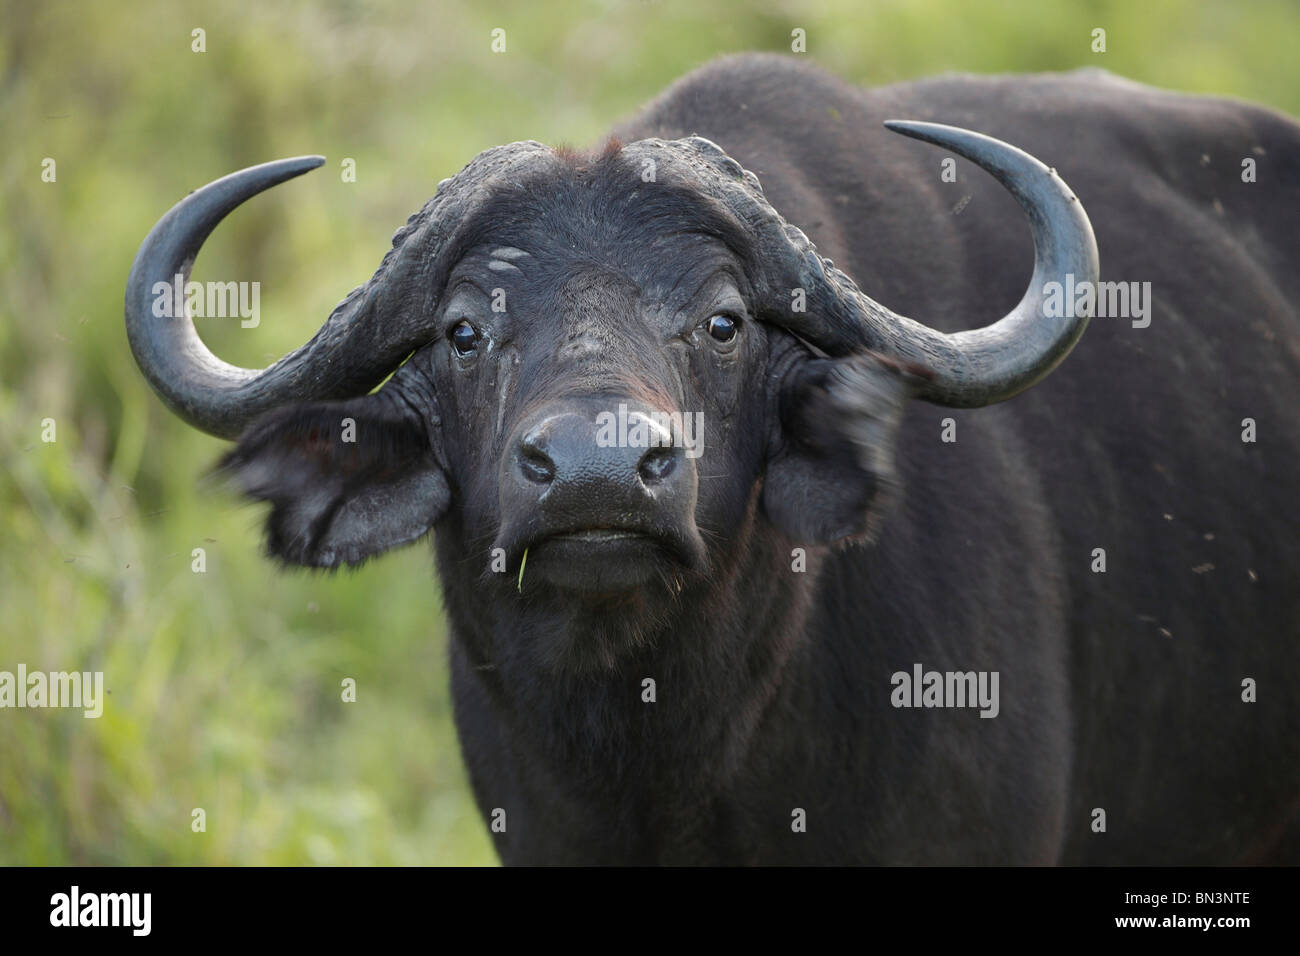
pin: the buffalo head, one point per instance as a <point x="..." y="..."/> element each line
<point x="599" y="372"/>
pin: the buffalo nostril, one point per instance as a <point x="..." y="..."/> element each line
<point x="657" y="464"/>
<point x="536" y="465"/>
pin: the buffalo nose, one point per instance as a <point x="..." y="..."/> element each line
<point x="571" y="451"/>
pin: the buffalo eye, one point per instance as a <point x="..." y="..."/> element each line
<point x="464" y="338"/>
<point x="723" y="328"/>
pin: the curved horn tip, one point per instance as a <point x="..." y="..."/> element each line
<point x="918" y="129"/>
<point x="999" y="158"/>
<point x="263" y="176"/>
<point x="191" y="381"/>
<point x="309" y="161"/>
<point x="998" y="361"/>
<point x="288" y="168"/>
<point x="914" y="128"/>
<point x="964" y="142"/>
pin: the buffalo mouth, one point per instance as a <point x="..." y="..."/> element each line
<point x="602" y="559"/>
<point x="597" y="536"/>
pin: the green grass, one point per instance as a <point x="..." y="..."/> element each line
<point x="226" y="685"/>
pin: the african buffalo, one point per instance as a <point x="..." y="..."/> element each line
<point x="841" y="626"/>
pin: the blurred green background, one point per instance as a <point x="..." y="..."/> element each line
<point x="225" y="686"/>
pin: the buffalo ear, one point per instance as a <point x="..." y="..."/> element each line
<point x="830" y="472"/>
<point x="346" y="480"/>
